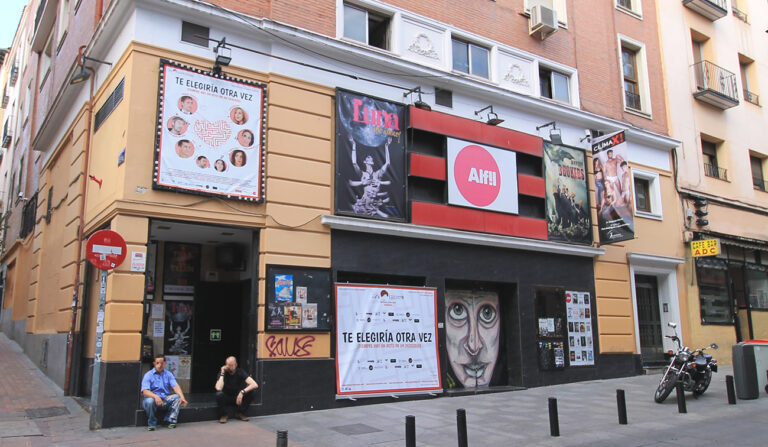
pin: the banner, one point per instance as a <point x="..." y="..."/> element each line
<point x="565" y="174"/>
<point x="483" y="177"/>
<point x="613" y="188"/>
<point x="386" y="340"/>
<point x="370" y="157"/>
<point x="210" y="134"/>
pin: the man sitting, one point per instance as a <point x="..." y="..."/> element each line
<point x="234" y="391"/>
<point x="156" y="387"/>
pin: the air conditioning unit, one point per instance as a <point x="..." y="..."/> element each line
<point x="543" y="21"/>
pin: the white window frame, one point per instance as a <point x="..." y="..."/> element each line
<point x="557" y="5"/>
<point x="642" y="75"/>
<point x="63" y="19"/>
<point x="367" y="7"/>
<point x="573" y="82"/>
<point x="654" y="193"/>
<point x="470" y="42"/>
<point x="636" y="10"/>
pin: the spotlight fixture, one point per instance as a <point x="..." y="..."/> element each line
<point x="223" y="55"/>
<point x="555" y="134"/>
<point x="419" y="104"/>
<point x="83" y="75"/>
<point x="493" y="118"/>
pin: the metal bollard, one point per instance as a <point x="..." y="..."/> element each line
<point x="621" y="403"/>
<point x="554" y="423"/>
<point x="461" y="427"/>
<point x="681" y="408"/>
<point x="282" y="438"/>
<point x="410" y="431"/>
<point x="731" y="391"/>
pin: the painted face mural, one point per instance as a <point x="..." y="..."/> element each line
<point x="472" y="332"/>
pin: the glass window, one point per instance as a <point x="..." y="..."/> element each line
<point x="629" y="69"/>
<point x="713" y="291"/>
<point x="355" y="21"/>
<point x="470" y="58"/>
<point x="757" y="286"/>
<point x="757" y="172"/>
<point x="554" y="85"/>
<point x="642" y="198"/>
<point x="460" y="56"/>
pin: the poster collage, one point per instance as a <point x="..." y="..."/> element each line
<point x="580" y="336"/>
<point x="291" y="309"/>
<point x="567" y="200"/>
<point x="210" y="134"/>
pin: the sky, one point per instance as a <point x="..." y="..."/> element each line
<point x="10" y="13"/>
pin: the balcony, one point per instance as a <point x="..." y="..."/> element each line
<point x="715" y="85"/>
<point x="715" y="172"/>
<point x="6" y="142"/>
<point x="751" y="97"/>
<point x="632" y="99"/>
<point x="711" y="9"/>
<point x="739" y="14"/>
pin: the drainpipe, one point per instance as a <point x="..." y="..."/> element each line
<point x="81" y="224"/>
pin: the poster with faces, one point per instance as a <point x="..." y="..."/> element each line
<point x="580" y="337"/>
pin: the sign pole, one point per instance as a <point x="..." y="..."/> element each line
<point x="95" y="388"/>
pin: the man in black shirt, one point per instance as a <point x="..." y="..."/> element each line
<point x="234" y="390"/>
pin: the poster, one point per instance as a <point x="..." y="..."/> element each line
<point x="567" y="200"/>
<point x="309" y="318"/>
<point x="301" y="295"/>
<point x="178" y="328"/>
<point x="483" y="177"/>
<point x="613" y="188"/>
<point x="158" y="328"/>
<point x="158" y="311"/>
<point x="370" y="157"/>
<point x="386" y="340"/>
<point x="182" y="268"/>
<point x="580" y="336"/>
<point x="210" y="134"/>
<point x="284" y="288"/>
<point x="293" y="317"/>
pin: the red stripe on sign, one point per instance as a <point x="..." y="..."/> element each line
<point x="454" y="126"/>
<point x="428" y="166"/>
<point x="529" y="185"/>
<point x="446" y="216"/>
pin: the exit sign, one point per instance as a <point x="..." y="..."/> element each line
<point x="215" y="335"/>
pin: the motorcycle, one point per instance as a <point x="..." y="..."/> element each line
<point x="691" y="368"/>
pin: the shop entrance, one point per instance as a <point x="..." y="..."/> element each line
<point x="649" y="319"/>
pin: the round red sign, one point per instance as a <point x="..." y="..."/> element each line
<point x="477" y="175"/>
<point x="105" y="249"/>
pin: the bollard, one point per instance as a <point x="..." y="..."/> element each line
<point x="554" y="423"/>
<point x="681" y="398"/>
<point x="410" y="431"/>
<point x="621" y="403"/>
<point x="461" y="427"/>
<point x="282" y="438"/>
<point x="731" y="391"/>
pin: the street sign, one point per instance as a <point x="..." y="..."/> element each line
<point x="706" y="247"/>
<point x="105" y="249"/>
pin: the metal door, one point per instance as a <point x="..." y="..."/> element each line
<point x="649" y="319"/>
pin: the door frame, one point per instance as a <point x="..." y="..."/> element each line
<point x="665" y="270"/>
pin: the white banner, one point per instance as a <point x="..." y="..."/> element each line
<point x="210" y="134"/>
<point x="482" y="177"/>
<point x="386" y="340"/>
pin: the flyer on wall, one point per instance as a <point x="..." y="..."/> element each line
<point x="386" y="340"/>
<point x="580" y="335"/>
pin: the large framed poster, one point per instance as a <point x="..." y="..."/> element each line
<point x="386" y="340"/>
<point x="370" y="157"/>
<point x="580" y="332"/>
<point x="613" y="188"/>
<point x="565" y="175"/>
<point x="181" y="270"/>
<point x="298" y="298"/>
<point x="210" y="134"/>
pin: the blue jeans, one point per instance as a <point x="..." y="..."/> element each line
<point x="171" y="404"/>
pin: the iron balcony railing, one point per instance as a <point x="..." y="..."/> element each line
<point x="716" y="79"/>
<point x="633" y="100"/>
<point x="6" y="141"/>
<point x="28" y="215"/>
<point x="751" y="97"/>
<point x="759" y="183"/>
<point x="715" y="172"/>
<point x="739" y="14"/>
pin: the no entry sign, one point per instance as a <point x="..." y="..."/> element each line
<point x="105" y="249"/>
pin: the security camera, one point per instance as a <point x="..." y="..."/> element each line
<point x="587" y="133"/>
<point x="21" y="195"/>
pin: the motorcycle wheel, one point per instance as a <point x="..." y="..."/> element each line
<point x="702" y="384"/>
<point x="665" y="387"/>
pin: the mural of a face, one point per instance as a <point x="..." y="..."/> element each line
<point x="472" y="332"/>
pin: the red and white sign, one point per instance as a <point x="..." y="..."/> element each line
<point x="105" y="249"/>
<point x="483" y="177"/>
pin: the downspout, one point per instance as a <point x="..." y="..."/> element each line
<point x="81" y="224"/>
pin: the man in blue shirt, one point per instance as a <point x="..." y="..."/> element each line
<point x="156" y="387"/>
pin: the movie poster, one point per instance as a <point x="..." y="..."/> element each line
<point x="580" y="334"/>
<point x="181" y="270"/>
<point x="210" y="134"/>
<point x="386" y="340"/>
<point x="565" y="174"/>
<point x="370" y="157"/>
<point x="613" y="188"/>
<point x="178" y="329"/>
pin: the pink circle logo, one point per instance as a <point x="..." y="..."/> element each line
<point x="477" y="175"/>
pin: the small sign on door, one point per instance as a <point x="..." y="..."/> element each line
<point x="215" y="335"/>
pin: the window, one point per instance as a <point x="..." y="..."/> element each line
<point x="739" y="10"/>
<point x="554" y="85"/>
<point x="45" y="61"/>
<point x="758" y="181"/>
<point x="634" y="75"/>
<point x="711" y="167"/>
<point x="629" y="70"/>
<point x="713" y="291"/>
<point x="195" y="34"/>
<point x="630" y="6"/>
<point x="470" y="58"/>
<point x="647" y="193"/>
<point x="746" y="68"/>
<point x="63" y="19"/>
<point x="365" y="26"/>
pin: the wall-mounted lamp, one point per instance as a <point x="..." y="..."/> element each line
<point x="493" y="118"/>
<point x="83" y="75"/>
<point x="223" y="55"/>
<point x="587" y="136"/>
<point x="555" y="135"/>
<point x="419" y="104"/>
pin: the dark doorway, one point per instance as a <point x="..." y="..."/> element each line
<point x="649" y="319"/>
<point x="220" y="309"/>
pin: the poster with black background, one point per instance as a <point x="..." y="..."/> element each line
<point x="568" y="214"/>
<point x="370" y="157"/>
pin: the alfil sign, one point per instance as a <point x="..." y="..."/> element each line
<point x="483" y="177"/>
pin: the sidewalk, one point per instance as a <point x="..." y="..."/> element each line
<point x="33" y="412"/>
